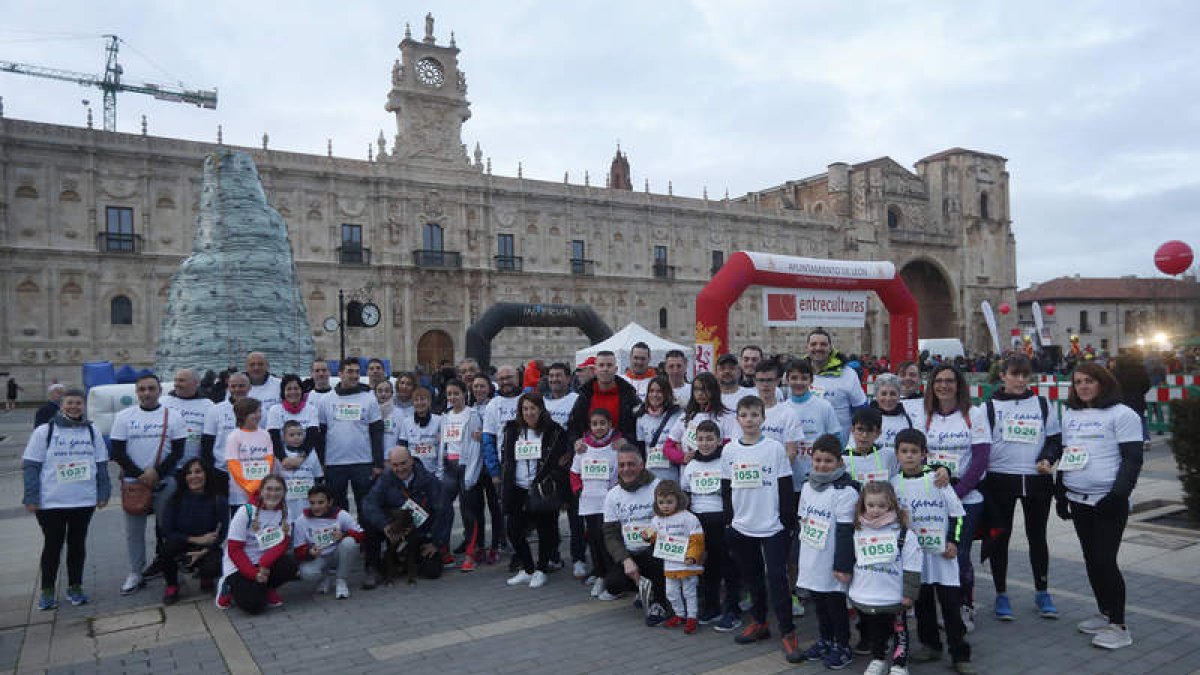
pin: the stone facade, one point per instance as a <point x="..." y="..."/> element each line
<point x="93" y="225"/>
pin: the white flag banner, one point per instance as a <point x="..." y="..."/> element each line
<point x="811" y="307"/>
<point x="990" y="317"/>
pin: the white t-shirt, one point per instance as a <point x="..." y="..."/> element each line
<point x="640" y="386"/>
<point x="894" y="424"/>
<point x="315" y="532"/>
<point x="596" y="484"/>
<point x="656" y="461"/>
<point x="254" y="450"/>
<point x="819" y="513"/>
<point x="141" y="431"/>
<point x="193" y="411"/>
<point x="633" y="510"/>
<point x="682" y="524"/>
<point x="882" y="584"/>
<point x="348" y="419"/>
<point x="702" y="481"/>
<point x="560" y="408"/>
<point x="682" y="393"/>
<point x="843" y="392"/>
<point x="299" y="481"/>
<point x="1019" y="434"/>
<point x="498" y="412"/>
<point x="69" y="464"/>
<point x="950" y="442"/>
<point x="683" y="432"/>
<point x="267" y="393"/>
<point x="219" y="421"/>
<point x="754" y="472"/>
<point x="817" y="417"/>
<point x="422" y="442"/>
<point x="879" y="465"/>
<point x="930" y="509"/>
<point x="270" y="524"/>
<point x="782" y="424"/>
<point x="277" y="416"/>
<point x="459" y="443"/>
<point x="731" y="400"/>
<point x="526" y="469"/>
<point x="393" y="427"/>
<point x="1099" y="432"/>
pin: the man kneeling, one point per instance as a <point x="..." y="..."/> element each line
<point x="406" y="485"/>
<point x="628" y="509"/>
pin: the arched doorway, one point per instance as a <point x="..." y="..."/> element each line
<point x="932" y="292"/>
<point x="433" y="348"/>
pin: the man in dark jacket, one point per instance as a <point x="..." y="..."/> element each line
<point x="607" y="391"/>
<point x="406" y="485"/>
<point x="47" y="412"/>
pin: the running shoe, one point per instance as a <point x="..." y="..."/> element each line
<point x="521" y="578"/>
<point x="579" y="569"/>
<point x="468" y="565"/>
<point x="753" y="633"/>
<point x="537" y="579"/>
<point x="76" y="595"/>
<point x="1093" y="625"/>
<point x="1003" y="608"/>
<point x="876" y="667"/>
<point x="729" y="622"/>
<point x="343" y="591"/>
<point x="597" y="587"/>
<point x="1113" y="637"/>
<point x="273" y="599"/>
<point x="673" y="622"/>
<point x="1045" y="605"/>
<point x="606" y="596"/>
<point x="133" y="582"/>
<point x="170" y="595"/>
<point x="47" y="601"/>
<point x="817" y="651"/>
<point x="656" y="616"/>
<point x="898" y="670"/>
<point x="689" y="626"/>
<point x="791" y="648"/>
<point x="709" y="617"/>
<point x="839" y="657"/>
<point x="224" y="597"/>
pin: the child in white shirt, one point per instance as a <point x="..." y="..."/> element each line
<point x="678" y="541"/>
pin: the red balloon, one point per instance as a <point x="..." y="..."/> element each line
<point x="1005" y="308"/>
<point x="1050" y="310"/>
<point x="1173" y="257"/>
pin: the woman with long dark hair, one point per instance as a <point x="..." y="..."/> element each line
<point x="194" y="526"/>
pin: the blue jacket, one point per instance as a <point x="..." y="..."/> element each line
<point x="390" y="493"/>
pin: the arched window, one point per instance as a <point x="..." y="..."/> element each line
<point x="893" y="217"/>
<point x="983" y="205"/>
<point x="431" y="237"/>
<point x="662" y="318"/>
<point x="121" y="311"/>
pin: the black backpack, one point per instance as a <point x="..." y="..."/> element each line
<point x="50" y="432"/>
<point x="991" y="411"/>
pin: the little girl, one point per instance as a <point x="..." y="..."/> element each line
<point x="257" y="559"/>
<point x="678" y="540"/>
<point x="886" y="576"/>
<point x="249" y="454"/>
<point x="593" y="474"/>
<point x="826" y="519"/>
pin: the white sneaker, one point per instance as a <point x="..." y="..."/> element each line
<point x="606" y="596"/>
<point x="325" y="585"/>
<point x="898" y="670"/>
<point x="579" y="569"/>
<point x="343" y="591"/>
<point x="876" y="667"/>
<point x="968" y="618"/>
<point x="1094" y="625"/>
<point x="1113" y="637"/>
<point x="537" y="579"/>
<point x="597" y="587"/>
<point x="521" y="577"/>
<point x="133" y="582"/>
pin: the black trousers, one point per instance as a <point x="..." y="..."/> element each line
<point x="470" y="503"/>
<point x="250" y="595"/>
<point x="602" y="564"/>
<point x="207" y="567"/>
<point x="1100" y="539"/>
<point x="519" y="519"/>
<point x="833" y="620"/>
<point x="878" y="629"/>
<point x="950" y="600"/>
<point x="1036" y="495"/>
<point x="718" y="567"/>
<point x="59" y="526"/>
<point x="492" y="500"/>
<point x="753" y="554"/>
<point x="616" y="581"/>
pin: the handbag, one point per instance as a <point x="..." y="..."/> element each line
<point x="137" y="498"/>
<point x="545" y="497"/>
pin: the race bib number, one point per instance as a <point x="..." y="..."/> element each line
<point x="689" y="437"/>
<point x="531" y="449"/>
<point x="193" y="435"/>
<point x="631" y="533"/>
<point x="595" y="468"/>
<point x="946" y="459"/>
<point x="419" y="515"/>
<point x="875" y="549"/>
<point x="817" y="391"/>
<point x="388" y="424"/>
<point x="746" y="475"/>
<point x="424" y="451"/>
<point x="814" y="532"/>
<point x="269" y="537"/>
<point x="706" y="482"/>
<point x="655" y="459"/>
<point x="1021" y="431"/>
<point x="931" y="539"/>
<point x="1074" y="458"/>
<point x="347" y="412"/>
<point x="670" y="548"/>
<point x="452" y="432"/>
<point x="255" y="469"/>
<point x="805" y="449"/>
<point x="297" y="488"/>
<point x="324" y="537"/>
<point x="74" y="472"/>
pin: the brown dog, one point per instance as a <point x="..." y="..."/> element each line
<point x="404" y="552"/>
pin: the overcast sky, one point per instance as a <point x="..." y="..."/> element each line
<point x="1094" y="104"/>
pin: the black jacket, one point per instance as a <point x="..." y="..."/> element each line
<point x="556" y="459"/>
<point x="390" y="493"/>
<point x="628" y="402"/>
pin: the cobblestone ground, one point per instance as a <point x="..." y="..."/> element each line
<point x="474" y="623"/>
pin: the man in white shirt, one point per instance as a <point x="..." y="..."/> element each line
<point x="748" y="360"/>
<point x="559" y="401"/>
<point x="219" y="421"/>
<point x="639" y="373"/>
<point x="628" y="508"/>
<point x="353" y="429"/>
<point x="186" y="400"/>
<point x="676" y="366"/>
<point x="727" y="377"/>
<point x="263" y="385"/>
<point x="834" y="381"/>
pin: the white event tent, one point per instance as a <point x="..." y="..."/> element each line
<point x="627" y="337"/>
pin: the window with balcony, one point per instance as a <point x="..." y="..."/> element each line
<point x="352" y="252"/>
<point x="118" y="236"/>
<point x="506" y="258"/>
<point x="432" y="252"/>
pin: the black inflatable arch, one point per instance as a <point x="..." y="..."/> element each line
<point x="505" y="314"/>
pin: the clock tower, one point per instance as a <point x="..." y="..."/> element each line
<point x="429" y="99"/>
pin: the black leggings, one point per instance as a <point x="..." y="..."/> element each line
<point x="950" y="600"/>
<point x="519" y="518"/>
<point x="879" y="628"/>
<point x="470" y="503"/>
<point x="58" y="526"/>
<point x="594" y="530"/>
<point x="718" y="567"/>
<point x="250" y="595"/>
<point x="1035" y="494"/>
<point x="493" y="507"/>
<point x="1100" y="539"/>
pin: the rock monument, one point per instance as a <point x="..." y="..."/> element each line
<point x="238" y="291"/>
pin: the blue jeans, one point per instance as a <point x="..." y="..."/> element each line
<point x="966" y="572"/>
<point x="339" y="477"/>
<point x="750" y="553"/>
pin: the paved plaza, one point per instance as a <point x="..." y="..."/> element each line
<point x="474" y="623"/>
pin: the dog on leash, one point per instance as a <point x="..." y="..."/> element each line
<point x="403" y="554"/>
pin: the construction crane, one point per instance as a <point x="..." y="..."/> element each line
<point x="110" y="83"/>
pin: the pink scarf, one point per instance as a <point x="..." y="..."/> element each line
<point x="295" y="408"/>
<point x="878" y="523"/>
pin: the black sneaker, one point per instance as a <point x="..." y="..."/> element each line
<point x="154" y="570"/>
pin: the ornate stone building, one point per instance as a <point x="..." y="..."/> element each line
<point x="93" y="224"/>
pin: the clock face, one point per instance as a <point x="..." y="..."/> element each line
<point x="370" y="315"/>
<point x="330" y="324"/>
<point x="430" y="72"/>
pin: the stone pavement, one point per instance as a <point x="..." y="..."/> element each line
<point x="474" y="623"/>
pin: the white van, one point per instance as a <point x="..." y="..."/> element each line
<point x="947" y="348"/>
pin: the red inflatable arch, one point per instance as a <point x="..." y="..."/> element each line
<point x="745" y="269"/>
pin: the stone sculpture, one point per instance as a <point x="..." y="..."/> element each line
<point x="238" y="291"/>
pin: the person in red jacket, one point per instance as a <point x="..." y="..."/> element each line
<point x="257" y="558"/>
